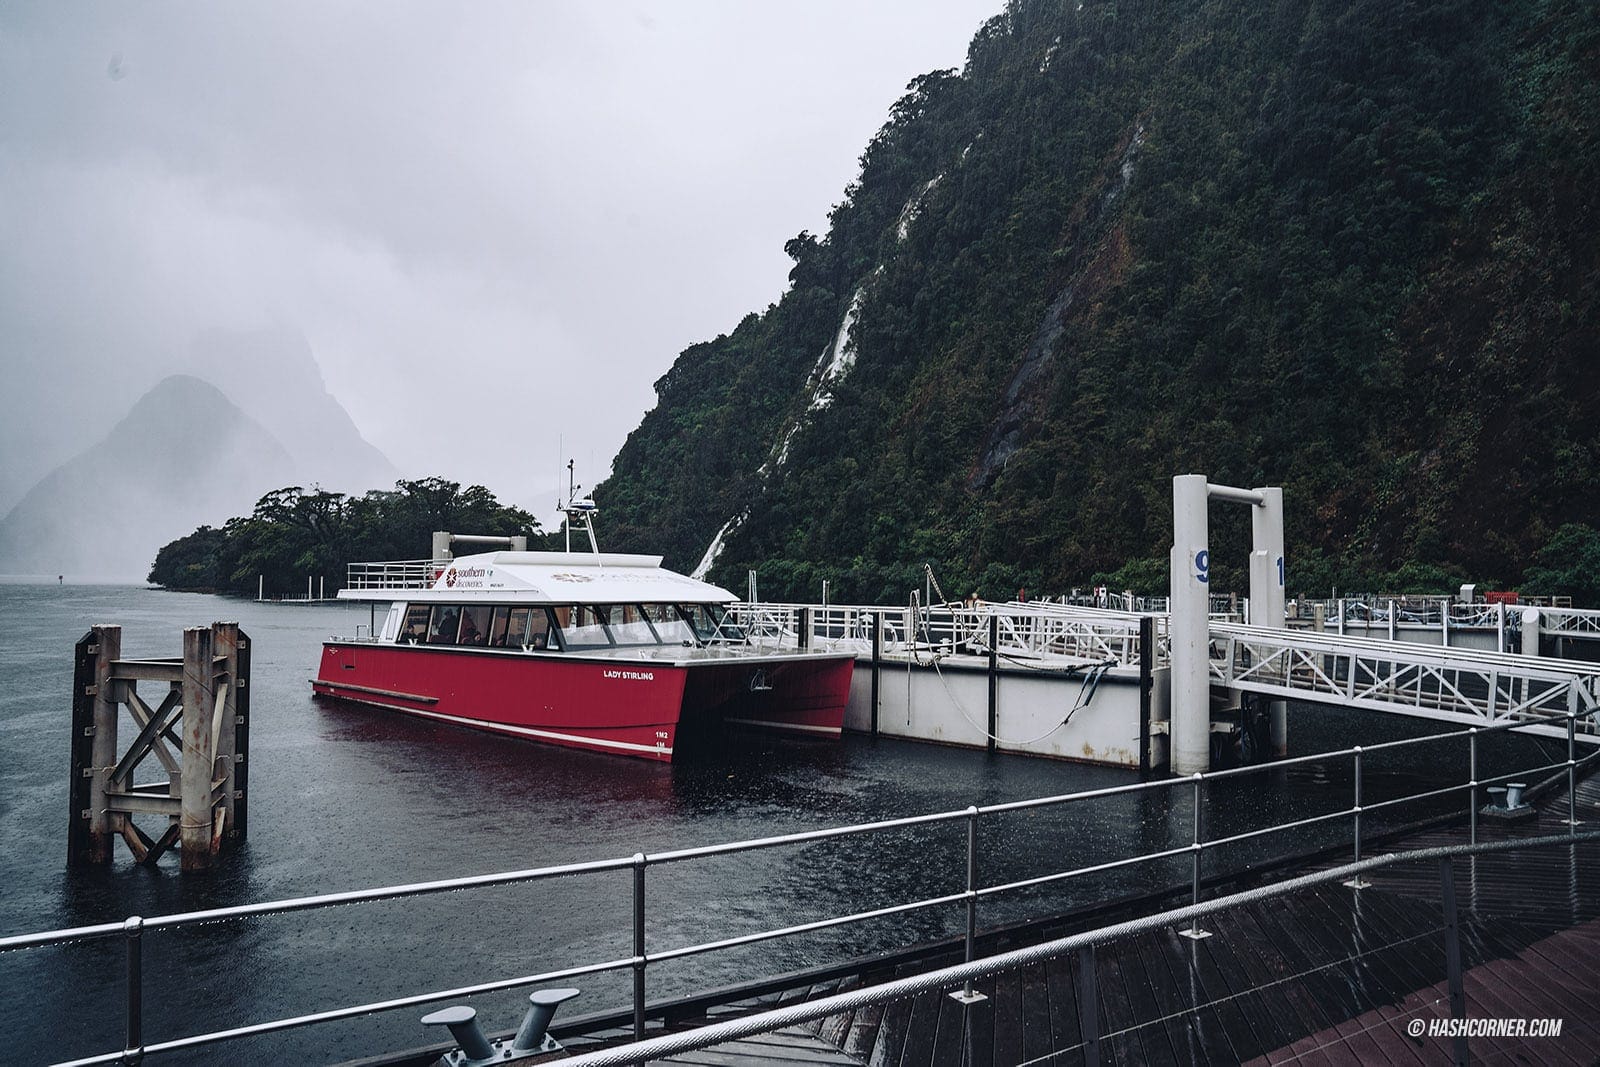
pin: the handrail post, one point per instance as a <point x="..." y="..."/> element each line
<point x="968" y="995"/>
<point x="638" y="946"/>
<point x="1572" y="772"/>
<point x="1357" y="882"/>
<point x="133" y="1046"/>
<point x="1088" y="1007"/>
<point x="1195" y="850"/>
<point x="1472" y="782"/>
<point x="1452" y="955"/>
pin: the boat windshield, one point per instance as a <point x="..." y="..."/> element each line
<point x="669" y="624"/>
<point x="711" y="623"/>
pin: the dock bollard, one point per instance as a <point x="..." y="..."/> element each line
<point x="532" y="1035"/>
<point x="463" y="1024"/>
<point x="532" y="1038"/>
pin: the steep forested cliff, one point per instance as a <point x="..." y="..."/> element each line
<point x="1347" y="248"/>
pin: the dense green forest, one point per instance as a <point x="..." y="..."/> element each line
<point x="1348" y="248"/>
<point x="295" y="533"/>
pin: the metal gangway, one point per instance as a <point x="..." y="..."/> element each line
<point x="1582" y="623"/>
<point x="1024" y="634"/>
<point x="1449" y="684"/>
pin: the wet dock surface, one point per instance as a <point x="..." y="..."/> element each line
<point x="1328" y="975"/>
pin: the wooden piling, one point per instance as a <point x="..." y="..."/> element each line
<point x="203" y="795"/>
<point x="104" y="754"/>
<point x="199" y="694"/>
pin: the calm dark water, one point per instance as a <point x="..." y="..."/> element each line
<point x="345" y="798"/>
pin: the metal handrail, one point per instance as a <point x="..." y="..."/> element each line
<point x="133" y="928"/>
<point x="966" y="973"/>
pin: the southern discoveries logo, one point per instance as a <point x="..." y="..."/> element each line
<point x="465" y="577"/>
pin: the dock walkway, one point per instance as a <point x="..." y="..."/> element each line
<point x="1328" y="975"/>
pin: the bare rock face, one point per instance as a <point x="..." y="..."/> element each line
<point x="183" y="456"/>
<point x="272" y="375"/>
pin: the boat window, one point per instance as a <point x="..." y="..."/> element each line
<point x="443" y="624"/>
<point x="581" y="627"/>
<point x="711" y="622"/>
<point x="497" y="627"/>
<point x="670" y="625"/>
<point x="538" y="634"/>
<point x="416" y="625"/>
<point x="475" y="624"/>
<point x="527" y="628"/>
<point x="629" y="625"/>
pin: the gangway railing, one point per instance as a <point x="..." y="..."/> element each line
<point x="970" y="823"/>
<point x="1038" y="634"/>
<point x="1570" y="622"/>
<point x="1427" y="681"/>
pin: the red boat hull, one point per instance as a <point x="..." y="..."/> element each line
<point x="606" y="705"/>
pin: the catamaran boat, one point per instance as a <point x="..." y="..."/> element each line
<point x="593" y="650"/>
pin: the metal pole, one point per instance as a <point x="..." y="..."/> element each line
<point x="968" y="995"/>
<point x="1196" y="850"/>
<point x="1357" y="882"/>
<point x="1572" y="772"/>
<point x="638" y="946"/>
<point x="133" y="1047"/>
<point x="877" y="657"/>
<point x="994" y="681"/>
<point x="1189" y="629"/>
<point x="1452" y="954"/>
<point x="1088" y="1008"/>
<point x="1472" y="781"/>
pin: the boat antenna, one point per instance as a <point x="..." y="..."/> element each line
<point x="580" y="512"/>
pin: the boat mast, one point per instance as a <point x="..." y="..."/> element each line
<point x="580" y="512"/>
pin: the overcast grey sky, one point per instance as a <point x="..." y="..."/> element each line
<point x="496" y="223"/>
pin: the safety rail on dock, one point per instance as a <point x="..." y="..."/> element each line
<point x="1450" y="684"/>
<point x="970" y="821"/>
<point x="1032" y="632"/>
<point x="1082" y="947"/>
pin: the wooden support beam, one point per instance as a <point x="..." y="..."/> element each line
<point x="148" y="670"/>
<point x="199" y="692"/>
<point x="144" y="803"/>
<point x="138" y="843"/>
<point x="109" y="640"/>
<point x="154" y="726"/>
<point x="148" y="722"/>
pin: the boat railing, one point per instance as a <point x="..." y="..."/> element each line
<point x="395" y="574"/>
<point x="979" y="833"/>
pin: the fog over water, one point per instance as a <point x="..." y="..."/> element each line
<point x="520" y="211"/>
